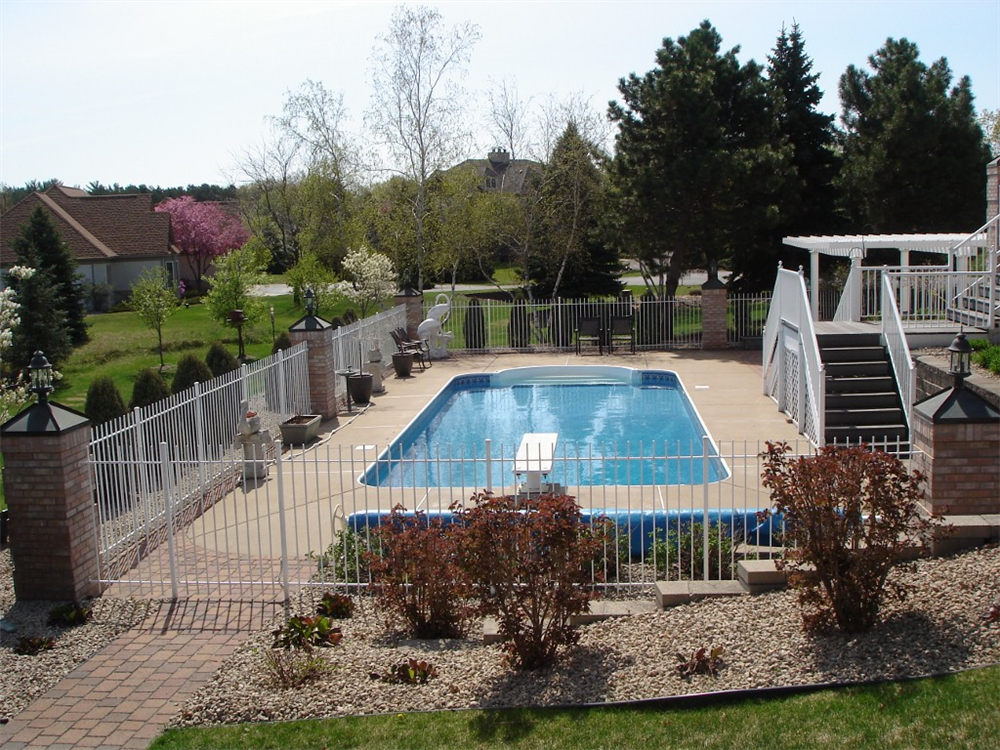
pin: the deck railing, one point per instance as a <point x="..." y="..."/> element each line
<point x="894" y="338"/>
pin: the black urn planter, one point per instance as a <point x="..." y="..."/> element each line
<point x="402" y="363"/>
<point x="359" y="387"/>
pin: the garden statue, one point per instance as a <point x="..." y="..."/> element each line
<point x="252" y="439"/>
<point x="432" y="329"/>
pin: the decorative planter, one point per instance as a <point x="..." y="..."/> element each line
<point x="402" y="363"/>
<point x="4" y="527"/>
<point x="300" y="429"/>
<point x="360" y="387"/>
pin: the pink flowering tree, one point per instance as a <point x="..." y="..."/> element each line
<point x="203" y="231"/>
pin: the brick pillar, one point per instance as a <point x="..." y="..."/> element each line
<point x="317" y="334"/>
<point x="413" y="301"/>
<point x="48" y="488"/>
<point x="714" y="300"/>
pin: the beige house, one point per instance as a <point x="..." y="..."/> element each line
<point x="114" y="238"/>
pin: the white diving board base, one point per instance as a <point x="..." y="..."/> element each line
<point x="534" y="459"/>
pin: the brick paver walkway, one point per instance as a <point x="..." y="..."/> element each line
<point x="124" y="695"/>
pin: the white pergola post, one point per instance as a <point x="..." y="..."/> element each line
<point x="814" y="282"/>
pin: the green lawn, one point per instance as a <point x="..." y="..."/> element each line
<point x="956" y="712"/>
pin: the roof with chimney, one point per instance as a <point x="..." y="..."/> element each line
<point x="96" y="227"/>
<point x="500" y="173"/>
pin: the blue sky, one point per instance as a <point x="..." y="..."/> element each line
<point x="169" y="93"/>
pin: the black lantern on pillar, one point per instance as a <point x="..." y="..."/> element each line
<point x="310" y="301"/>
<point x="41" y="377"/>
<point x="961" y="359"/>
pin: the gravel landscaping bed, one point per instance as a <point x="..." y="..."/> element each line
<point x="24" y="678"/>
<point x="939" y="628"/>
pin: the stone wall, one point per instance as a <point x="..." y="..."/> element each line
<point x="932" y="377"/>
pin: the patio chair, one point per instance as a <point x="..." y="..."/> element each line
<point x="589" y="330"/>
<point x="622" y="329"/>
<point x="419" y="349"/>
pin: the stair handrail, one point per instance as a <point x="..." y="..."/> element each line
<point x="992" y="272"/>
<point x="790" y="310"/>
<point x="894" y="339"/>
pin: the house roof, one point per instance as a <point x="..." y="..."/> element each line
<point x="95" y="227"/>
<point x="857" y="245"/>
<point x="509" y="174"/>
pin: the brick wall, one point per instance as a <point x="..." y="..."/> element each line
<point x="713" y="318"/>
<point x="962" y="465"/>
<point x="322" y="370"/>
<point x="47" y="486"/>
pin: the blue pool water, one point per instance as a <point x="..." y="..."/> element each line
<point x="599" y="413"/>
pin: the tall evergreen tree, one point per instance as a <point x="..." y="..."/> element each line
<point x="40" y="246"/>
<point x="697" y="168"/>
<point x="807" y="198"/>
<point x="43" y="323"/>
<point x="576" y="262"/>
<point x="914" y="153"/>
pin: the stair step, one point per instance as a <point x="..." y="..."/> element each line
<point x="862" y="400"/>
<point x="672" y="593"/>
<point x="862" y="418"/>
<point x="879" y="384"/>
<point x="847" y="340"/>
<point x="858" y="369"/>
<point x="853" y="354"/>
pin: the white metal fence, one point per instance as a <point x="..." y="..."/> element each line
<point x="199" y="425"/>
<point x="310" y="521"/>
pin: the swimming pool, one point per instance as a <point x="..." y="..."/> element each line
<point x="616" y="426"/>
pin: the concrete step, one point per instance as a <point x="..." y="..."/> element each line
<point x="858" y="369"/>
<point x="672" y="593"/>
<point x="599" y="610"/>
<point x="758" y="576"/>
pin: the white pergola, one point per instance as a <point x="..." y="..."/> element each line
<point x="856" y="247"/>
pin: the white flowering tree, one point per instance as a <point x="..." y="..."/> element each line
<point x="14" y="392"/>
<point x="372" y="279"/>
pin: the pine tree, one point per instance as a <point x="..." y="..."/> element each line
<point x="41" y="247"/>
<point x="43" y="324"/>
<point x="914" y="153"/>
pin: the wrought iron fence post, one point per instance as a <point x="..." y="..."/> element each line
<point x="704" y="503"/>
<point x="285" y="585"/>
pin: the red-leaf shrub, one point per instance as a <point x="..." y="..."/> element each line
<point x="852" y="515"/>
<point x="529" y="561"/>
<point x="417" y="577"/>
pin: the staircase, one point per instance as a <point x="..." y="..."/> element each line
<point x="862" y="400"/>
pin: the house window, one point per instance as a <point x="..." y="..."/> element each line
<point x="491" y="182"/>
<point x="171" y="277"/>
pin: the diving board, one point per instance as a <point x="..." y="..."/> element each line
<point x="534" y="459"/>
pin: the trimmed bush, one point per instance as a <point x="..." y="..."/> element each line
<point x="850" y="515"/>
<point x="530" y="560"/>
<point x="475" y="326"/>
<point x="282" y="341"/>
<point x="149" y="388"/>
<point x="220" y="360"/>
<point x="190" y="370"/>
<point x="104" y="402"/>
<point x="417" y="578"/>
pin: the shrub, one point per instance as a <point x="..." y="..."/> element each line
<point x="683" y="550"/>
<point x="282" y="341"/>
<point x="220" y="360"/>
<point x="519" y="325"/>
<point x="104" y="402"/>
<point x="529" y="561"/>
<point x="475" y="326"/>
<point x="291" y="669"/>
<point x="32" y="645"/>
<point x="69" y="615"/>
<point x="190" y="370"/>
<point x="347" y="557"/>
<point x="335" y="606"/>
<point x="852" y="514"/>
<point x="301" y="633"/>
<point x="149" y="388"/>
<point x="417" y="578"/>
<point x="408" y="672"/>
